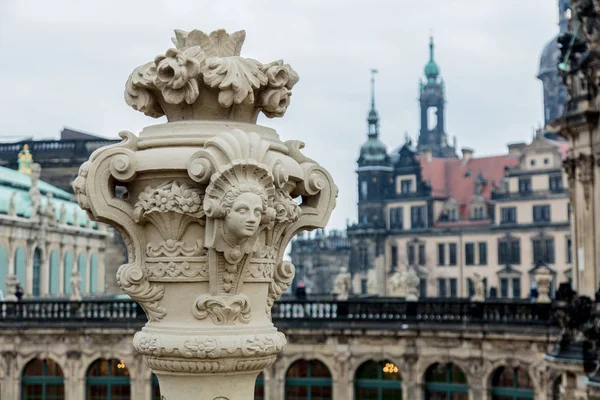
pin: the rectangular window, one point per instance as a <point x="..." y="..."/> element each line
<point x="515" y="252"/>
<point x="508" y="215"/>
<point x="525" y="185"/>
<point x="569" y="251"/>
<point x="549" y="248"/>
<point x="471" y="287"/>
<point x="396" y="218"/>
<point x="482" y="253"/>
<point x="516" y="286"/>
<point x="509" y="251"/>
<point x="411" y="255"/>
<point x="504" y="288"/>
<point x="417" y="217"/>
<point x="394" y="257"/>
<point x="502" y="252"/>
<point x="363" y="286"/>
<point x="422" y="260"/>
<point x="363" y="258"/>
<point x="470" y="253"/>
<point x="422" y="288"/>
<point x="452" y="251"/>
<point x="555" y="183"/>
<point x="441" y="254"/>
<point x="405" y="186"/>
<point x="543" y="250"/>
<point x="442" y="287"/>
<point x="541" y="213"/>
<point x="452" y="287"/>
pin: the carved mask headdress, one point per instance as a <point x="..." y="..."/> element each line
<point x="244" y="181"/>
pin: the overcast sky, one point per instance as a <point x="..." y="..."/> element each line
<point x="65" y="63"/>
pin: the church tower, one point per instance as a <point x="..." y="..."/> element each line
<point x="374" y="169"/>
<point x="555" y="92"/>
<point x="432" y="135"/>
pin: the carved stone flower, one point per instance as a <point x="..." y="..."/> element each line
<point x="280" y="74"/>
<point x="176" y="74"/>
<point x="275" y="102"/>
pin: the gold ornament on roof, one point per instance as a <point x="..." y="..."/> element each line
<point x="25" y="160"/>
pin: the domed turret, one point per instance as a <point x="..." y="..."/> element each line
<point x="549" y="58"/>
<point x="555" y="93"/>
<point x="432" y="70"/>
<point x="374" y="151"/>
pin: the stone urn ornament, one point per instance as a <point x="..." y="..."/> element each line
<point x="207" y="204"/>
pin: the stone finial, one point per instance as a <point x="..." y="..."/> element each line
<point x="412" y="282"/>
<point x="50" y="211"/>
<point x="204" y="77"/>
<point x="12" y="208"/>
<point x="75" y="286"/>
<point x="63" y="214"/>
<point x="34" y="193"/>
<point x="341" y="284"/>
<point x="479" y="287"/>
<point x="396" y="285"/>
<point x="543" y="278"/>
<point x="211" y="205"/>
<point x="11" y="288"/>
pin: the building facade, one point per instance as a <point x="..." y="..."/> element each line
<point x="453" y="220"/>
<point x="61" y="160"/>
<point x="337" y="351"/>
<point x="45" y="238"/>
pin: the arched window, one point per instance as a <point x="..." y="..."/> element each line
<point x="259" y="387"/>
<point x="556" y="388"/>
<point x="67" y="270"/>
<point x="446" y="382"/>
<point x="378" y="381"/>
<point x="20" y="266"/>
<point x="511" y="384"/>
<point x="308" y="380"/>
<point x="3" y="268"/>
<point x="54" y="273"/>
<point x="37" y="268"/>
<point x="107" y="380"/>
<point x="42" y="380"/>
<point x="155" y="388"/>
<point x="82" y="272"/>
<point x="93" y="273"/>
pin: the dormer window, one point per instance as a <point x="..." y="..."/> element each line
<point x="450" y="212"/>
<point x="405" y="186"/>
<point x="478" y="209"/>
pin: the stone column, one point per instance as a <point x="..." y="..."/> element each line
<point x="212" y="202"/>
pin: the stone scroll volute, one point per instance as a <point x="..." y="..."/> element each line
<point x="206" y="204"/>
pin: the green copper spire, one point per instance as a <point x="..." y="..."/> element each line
<point x="431" y="69"/>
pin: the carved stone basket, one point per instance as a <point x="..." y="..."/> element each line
<point x="211" y="202"/>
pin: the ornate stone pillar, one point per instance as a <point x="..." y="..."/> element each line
<point x="212" y="200"/>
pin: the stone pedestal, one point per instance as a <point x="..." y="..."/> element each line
<point x="211" y="202"/>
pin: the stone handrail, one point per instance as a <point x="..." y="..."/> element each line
<point x="126" y="313"/>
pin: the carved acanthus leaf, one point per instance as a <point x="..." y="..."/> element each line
<point x="226" y="310"/>
<point x="236" y="78"/>
<point x="282" y="279"/>
<point x="134" y="282"/>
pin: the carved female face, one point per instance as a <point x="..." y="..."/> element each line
<point x="243" y="218"/>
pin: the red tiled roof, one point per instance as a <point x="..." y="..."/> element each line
<point x="448" y="177"/>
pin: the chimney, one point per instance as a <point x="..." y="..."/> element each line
<point x="427" y="153"/>
<point x="467" y="154"/>
<point x="516" y="148"/>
